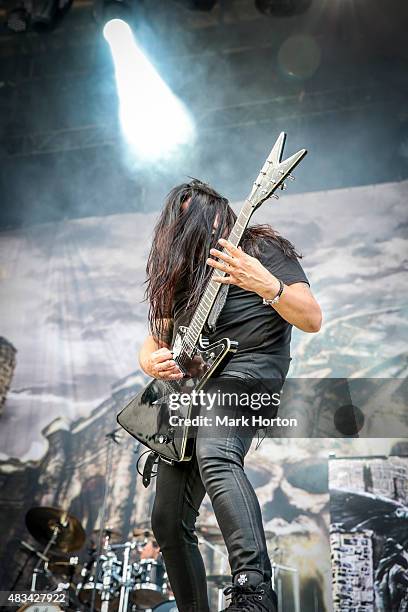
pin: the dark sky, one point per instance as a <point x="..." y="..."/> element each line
<point x="334" y="78"/>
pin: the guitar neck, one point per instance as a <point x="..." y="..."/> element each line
<point x="271" y="177"/>
<point x="211" y="291"/>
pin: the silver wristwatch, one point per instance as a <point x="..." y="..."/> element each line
<point x="276" y="299"/>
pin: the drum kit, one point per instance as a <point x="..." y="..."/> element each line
<point x="116" y="576"/>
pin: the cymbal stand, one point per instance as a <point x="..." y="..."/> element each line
<point x="107" y="581"/>
<point x="33" y="552"/>
<point x="112" y="437"/>
<point x="218" y="551"/>
<point x="126" y="578"/>
<point x="277" y="585"/>
<point x="37" y="567"/>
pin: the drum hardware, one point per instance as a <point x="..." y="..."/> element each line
<point x="214" y="533"/>
<point x="101" y="584"/>
<point x="55" y="528"/>
<point x="45" y="607"/>
<point x="126" y="577"/>
<point x="104" y="535"/>
<point x="109" y="578"/>
<point x="149" y="583"/>
<point x="33" y="550"/>
<point x="89" y="583"/>
<point x="219" y="580"/>
<point x="66" y="569"/>
<point x="58" y="530"/>
<point x="277" y="570"/>
<point x="109" y="535"/>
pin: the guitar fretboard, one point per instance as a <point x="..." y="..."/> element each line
<point x="211" y="291"/>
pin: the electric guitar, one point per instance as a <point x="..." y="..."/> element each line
<point x="148" y="417"/>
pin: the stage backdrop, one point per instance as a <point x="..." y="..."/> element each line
<point x="369" y="533"/>
<point x="72" y="308"/>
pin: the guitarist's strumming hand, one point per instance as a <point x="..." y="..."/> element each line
<point x="161" y="365"/>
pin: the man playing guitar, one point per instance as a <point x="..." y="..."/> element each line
<point x="268" y="294"/>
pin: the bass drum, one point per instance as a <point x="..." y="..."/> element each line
<point x="40" y="607"/>
<point x="167" y="606"/>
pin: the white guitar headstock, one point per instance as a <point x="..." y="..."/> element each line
<point x="274" y="172"/>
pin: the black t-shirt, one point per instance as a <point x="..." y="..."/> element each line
<point x="263" y="336"/>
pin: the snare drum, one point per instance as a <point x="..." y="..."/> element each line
<point x="149" y="583"/>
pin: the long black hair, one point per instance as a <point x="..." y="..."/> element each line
<point x="182" y="240"/>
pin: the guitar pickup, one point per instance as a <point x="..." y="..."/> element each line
<point x="204" y="342"/>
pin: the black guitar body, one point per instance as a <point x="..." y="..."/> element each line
<point x="147" y="416"/>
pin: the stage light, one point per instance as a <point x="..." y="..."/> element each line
<point x="282" y="8"/>
<point x="18" y="19"/>
<point x="153" y="120"/>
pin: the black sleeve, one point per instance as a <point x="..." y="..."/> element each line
<point x="280" y="265"/>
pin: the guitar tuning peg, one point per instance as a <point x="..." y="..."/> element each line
<point x="275" y="196"/>
<point x="283" y="186"/>
<point x="292" y="178"/>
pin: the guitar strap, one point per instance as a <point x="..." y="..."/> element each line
<point x="148" y="468"/>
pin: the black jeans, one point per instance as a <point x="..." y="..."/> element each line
<point x="217" y="467"/>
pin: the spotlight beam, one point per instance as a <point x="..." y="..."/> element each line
<point x="153" y="120"/>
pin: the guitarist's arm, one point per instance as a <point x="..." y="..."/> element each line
<point x="156" y="359"/>
<point x="297" y="306"/>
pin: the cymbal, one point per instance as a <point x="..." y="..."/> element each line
<point x="139" y="532"/>
<point x="41" y="522"/>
